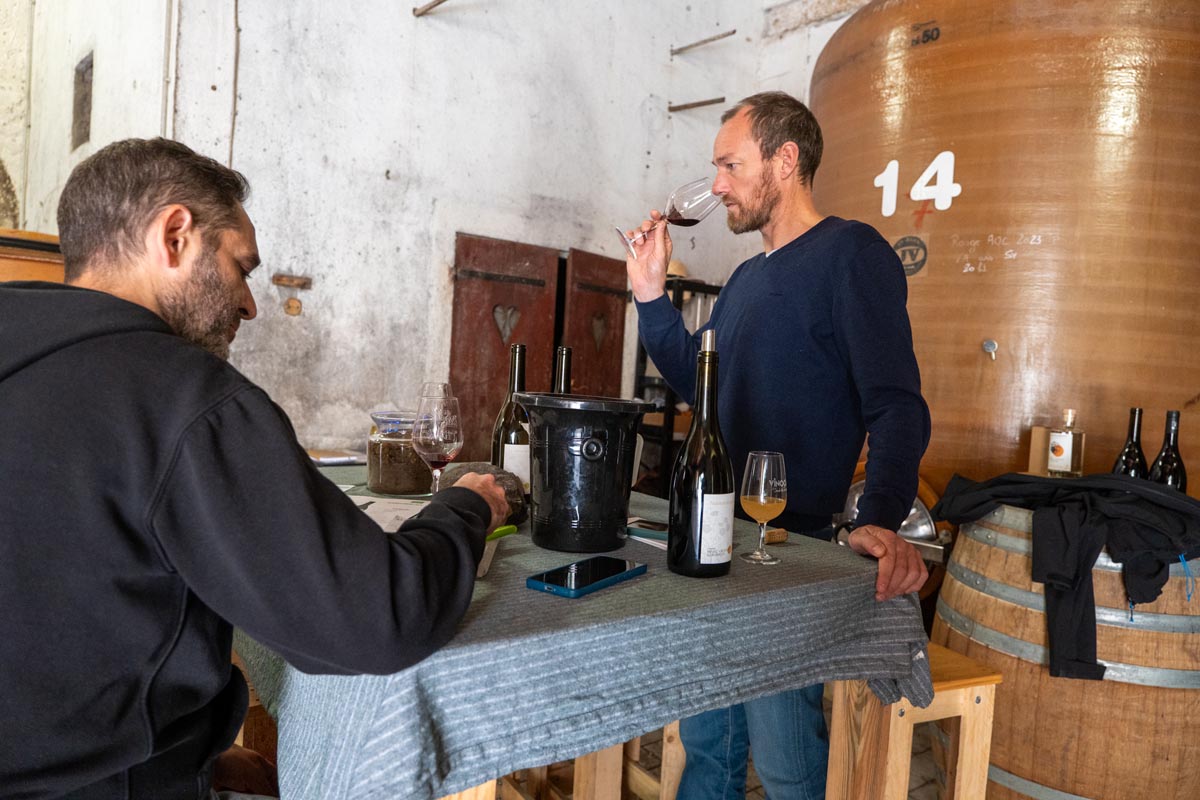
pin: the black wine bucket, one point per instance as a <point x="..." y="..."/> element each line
<point x="581" y="453"/>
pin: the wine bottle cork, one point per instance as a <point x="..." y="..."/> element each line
<point x="776" y="535"/>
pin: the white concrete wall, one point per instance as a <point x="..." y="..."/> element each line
<point x="129" y="41"/>
<point x="370" y="137"/>
<point x="15" y="16"/>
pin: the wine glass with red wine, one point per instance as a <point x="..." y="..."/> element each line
<point x="437" y="433"/>
<point x="686" y="206"/>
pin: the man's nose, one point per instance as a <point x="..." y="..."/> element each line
<point x="248" y="308"/>
<point x="719" y="187"/>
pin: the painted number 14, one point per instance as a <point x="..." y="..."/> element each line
<point x="936" y="183"/>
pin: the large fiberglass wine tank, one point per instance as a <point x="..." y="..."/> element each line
<point x="1037" y="167"/>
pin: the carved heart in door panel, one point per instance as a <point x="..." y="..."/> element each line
<point x="506" y="320"/>
<point x="599" y="324"/>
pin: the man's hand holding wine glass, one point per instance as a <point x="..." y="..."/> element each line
<point x="901" y="569"/>
<point x="648" y="269"/>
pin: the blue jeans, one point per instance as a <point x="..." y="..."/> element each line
<point x="787" y="734"/>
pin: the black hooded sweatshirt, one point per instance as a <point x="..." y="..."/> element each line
<point x="150" y="498"/>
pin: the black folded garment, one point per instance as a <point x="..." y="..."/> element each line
<point x="1145" y="526"/>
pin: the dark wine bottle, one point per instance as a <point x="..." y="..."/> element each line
<point x="562" y="371"/>
<point x="1168" y="467"/>
<point x="700" y="525"/>
<point x="1132" y="461"/>
<point x="510" y="435"/>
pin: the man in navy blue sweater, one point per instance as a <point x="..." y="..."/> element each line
<point x="816" y="357"/>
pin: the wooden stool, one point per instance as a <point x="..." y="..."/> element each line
<point x="640" y="782"/>
<point x="870" y="744"/>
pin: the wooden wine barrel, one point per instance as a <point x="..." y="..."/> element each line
<point x="1058" y="216"/>
<point x="1131" y="735"/>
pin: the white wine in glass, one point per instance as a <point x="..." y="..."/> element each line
<point x="686" y="206"/>
<point x="764" y="497"/>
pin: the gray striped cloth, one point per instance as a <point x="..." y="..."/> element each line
<point x="532" y="678"/>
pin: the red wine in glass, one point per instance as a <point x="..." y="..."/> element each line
<point x="686" y="206"/>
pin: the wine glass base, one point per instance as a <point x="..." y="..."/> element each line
<point x="625" y="240"/>
<point x="760" y="557"/>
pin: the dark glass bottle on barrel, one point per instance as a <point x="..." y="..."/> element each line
<point x="700" y="526"/>
<point x="1132" y="461"/>
<point x="1168" y="467"/>
<point x="510" y="434"/>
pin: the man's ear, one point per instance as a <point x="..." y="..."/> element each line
<point x="787" y="157"/>
<point x="171" y="233"/>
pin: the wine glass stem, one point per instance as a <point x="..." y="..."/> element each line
<point x="762" y="537"/>
<point x="437" y="477"/>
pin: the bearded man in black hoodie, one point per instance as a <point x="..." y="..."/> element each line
<point x="151" y="497"/>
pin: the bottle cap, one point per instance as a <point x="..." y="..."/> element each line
<point x="1069" y="417"/>
<point x="708" y="341"/>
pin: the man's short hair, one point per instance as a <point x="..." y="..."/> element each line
<point x="777" y="118"/>
<point x="112" y="196"/>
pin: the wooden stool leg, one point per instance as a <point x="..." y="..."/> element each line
<point x="537" y="782"/>
<point x="974" y="743"/>
<point x="484" y="791"/>
<point x="841" y="751"/>
<point x="950" y="756"/>
<point x="673" y="759"/>
<point x="898" y="751"/>
<point x="598" y="774"/>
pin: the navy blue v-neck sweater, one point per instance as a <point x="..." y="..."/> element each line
<point x="815" y="353"/>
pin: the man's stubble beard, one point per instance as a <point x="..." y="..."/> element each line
<point x="753" y="218"/>
<point x="202" y="311"/>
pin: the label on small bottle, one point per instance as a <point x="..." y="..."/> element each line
<point x="1059" y="457"/>
<point x="716" y="528"/>
<point x="516" y="461"/>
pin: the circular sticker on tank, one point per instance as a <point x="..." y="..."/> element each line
<point x="912" y="252"/>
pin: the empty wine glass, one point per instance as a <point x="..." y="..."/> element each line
<point x="686" y="206"/>
<point x="764" y="497"/>
<point x="435" y="389"/>
<point x="437" y="433"/>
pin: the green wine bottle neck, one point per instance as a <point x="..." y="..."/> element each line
<point x="516" y="369"/>
<point x="562" y="371"/>
<point x="706" y="391"/>
<point x="1171" y="436"/>
<point x="1135" y="426"/>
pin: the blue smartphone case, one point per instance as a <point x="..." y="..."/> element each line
<point x="562" y="591"/>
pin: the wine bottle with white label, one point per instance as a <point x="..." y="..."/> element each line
<point x="700" y="526"/>
<point x="510" y="435"/>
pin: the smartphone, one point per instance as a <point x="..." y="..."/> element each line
<point x="584" y="577"/>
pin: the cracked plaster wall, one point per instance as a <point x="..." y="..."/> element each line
<point x="371" y="137"/>
<point x="14" y="112"/>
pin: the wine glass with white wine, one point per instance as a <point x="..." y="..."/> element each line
<point x="764" y="497"/>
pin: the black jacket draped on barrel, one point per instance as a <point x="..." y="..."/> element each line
<point x="1146" y="527"/>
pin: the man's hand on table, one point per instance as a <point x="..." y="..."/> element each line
<point x="901" y="569"/>
<point x="486" y="487"/>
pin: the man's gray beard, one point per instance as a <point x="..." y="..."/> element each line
<point x="756" y="218"/>
<point x="201" y="311"/>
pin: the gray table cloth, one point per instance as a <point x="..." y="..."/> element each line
<point x="532" y="678"/>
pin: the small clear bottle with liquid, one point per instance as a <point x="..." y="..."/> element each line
<point x="1065" y="458"/>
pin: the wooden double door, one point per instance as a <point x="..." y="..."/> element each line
<point x="509" y="293"/>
